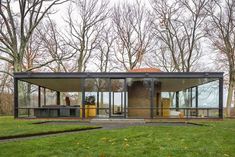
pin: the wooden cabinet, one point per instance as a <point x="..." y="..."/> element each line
<point x="165" y="105"/>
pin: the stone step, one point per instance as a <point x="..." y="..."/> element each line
<point x="115" y="120"/>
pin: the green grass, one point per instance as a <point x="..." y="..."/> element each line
<point x="10" y="127"/>
<point x="215" y="140"/>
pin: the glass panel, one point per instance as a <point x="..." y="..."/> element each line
<point x="43" y="94"/>
<point x="97" y="98"/>
<point x="50" y="97"/>
<point x="185" y="98"/>
<point x="91" y="92"/>
<point x="117" y="97"/>
<point x="103" y="103"/>
<point x="208" y="95"/>
<point x="73" y="97"/>
<point x="194" y="97"/>
<point x="28" y="98"/>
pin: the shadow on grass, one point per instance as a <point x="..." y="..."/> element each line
<point x="46" y="133"/>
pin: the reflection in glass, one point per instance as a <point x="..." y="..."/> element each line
<point x="28" y="98"/>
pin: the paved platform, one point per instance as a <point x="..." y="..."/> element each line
<point x="116" y="120"/>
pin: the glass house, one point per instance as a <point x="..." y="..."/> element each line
<point x="137" y="94"/>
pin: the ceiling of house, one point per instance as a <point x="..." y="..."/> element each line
<point x="74" y="85"/>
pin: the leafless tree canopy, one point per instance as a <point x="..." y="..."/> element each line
<point x="132" y="34"/>
<point x="104" y="57"/>
<point x="53" y="43"/>
<point x="17" y="27"/>
<point x="177" y="27"/>
<point x="220" y="29"/>
<point x="84" y="26"/>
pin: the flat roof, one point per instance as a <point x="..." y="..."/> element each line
<point x="68" y="82"/>
<point x="41" y="75"/>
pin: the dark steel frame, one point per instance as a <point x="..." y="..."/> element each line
<point x="23" y="76"/>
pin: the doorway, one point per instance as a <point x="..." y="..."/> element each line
<point x="117" y="98"/>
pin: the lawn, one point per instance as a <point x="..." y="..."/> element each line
<point x="10" y="127"/>
<point x="215" y="140"/>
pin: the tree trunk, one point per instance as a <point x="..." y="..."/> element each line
<point x="229" y="98"/>
<point x="230" y="91"/>
<point x="17" y="66"/>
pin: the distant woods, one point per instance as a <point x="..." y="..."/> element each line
<point x="105" y="36"/>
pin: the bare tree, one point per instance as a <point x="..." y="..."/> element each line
<point x="178" y="31"/>
<point x="133" y="33"/>
<point x="6" y="89"/>
<point x="160" y="58"/>
<point x="16" y="28"/>
<point x="54" y="46"/>
<point x="104" y="50"/>
<point x="84" y="21"/>
<point x="220" y="30"/>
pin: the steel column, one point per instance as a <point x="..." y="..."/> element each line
<point x="98" y="104"/>
<point x="191" y="97"/>
<point x="57" y="98"/>
<point x="83" y="98"/>
<point x="177" y="101"/>
<point x="39" y="96"/>
<point x="221" y="98"/>
<point x="122" y="101"/>
<point x="110" y="98"/>
<point x="151" y="98"/>
<point x="16" y="103"/>
<point x="113" y="102"/>
<point x="125" y="92"/>
<point x="44" y="94"/>
<point x="197" y="101"/>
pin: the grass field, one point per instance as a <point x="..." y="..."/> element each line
<point x="215" y="140"/>
<point x="10" y="127"/>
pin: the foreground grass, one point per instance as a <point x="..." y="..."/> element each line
<point x="215" y="140"/>
<point x="10" y="127"/>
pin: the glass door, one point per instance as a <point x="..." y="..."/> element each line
<point x="117" y="94"/>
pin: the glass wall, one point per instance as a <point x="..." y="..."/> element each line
<point x="35" y="101"/>
<point x="27" y="98"/>
<point x="108" y="97"/>
<point x="208" y="99"/>
<point x="186" y="98"/>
